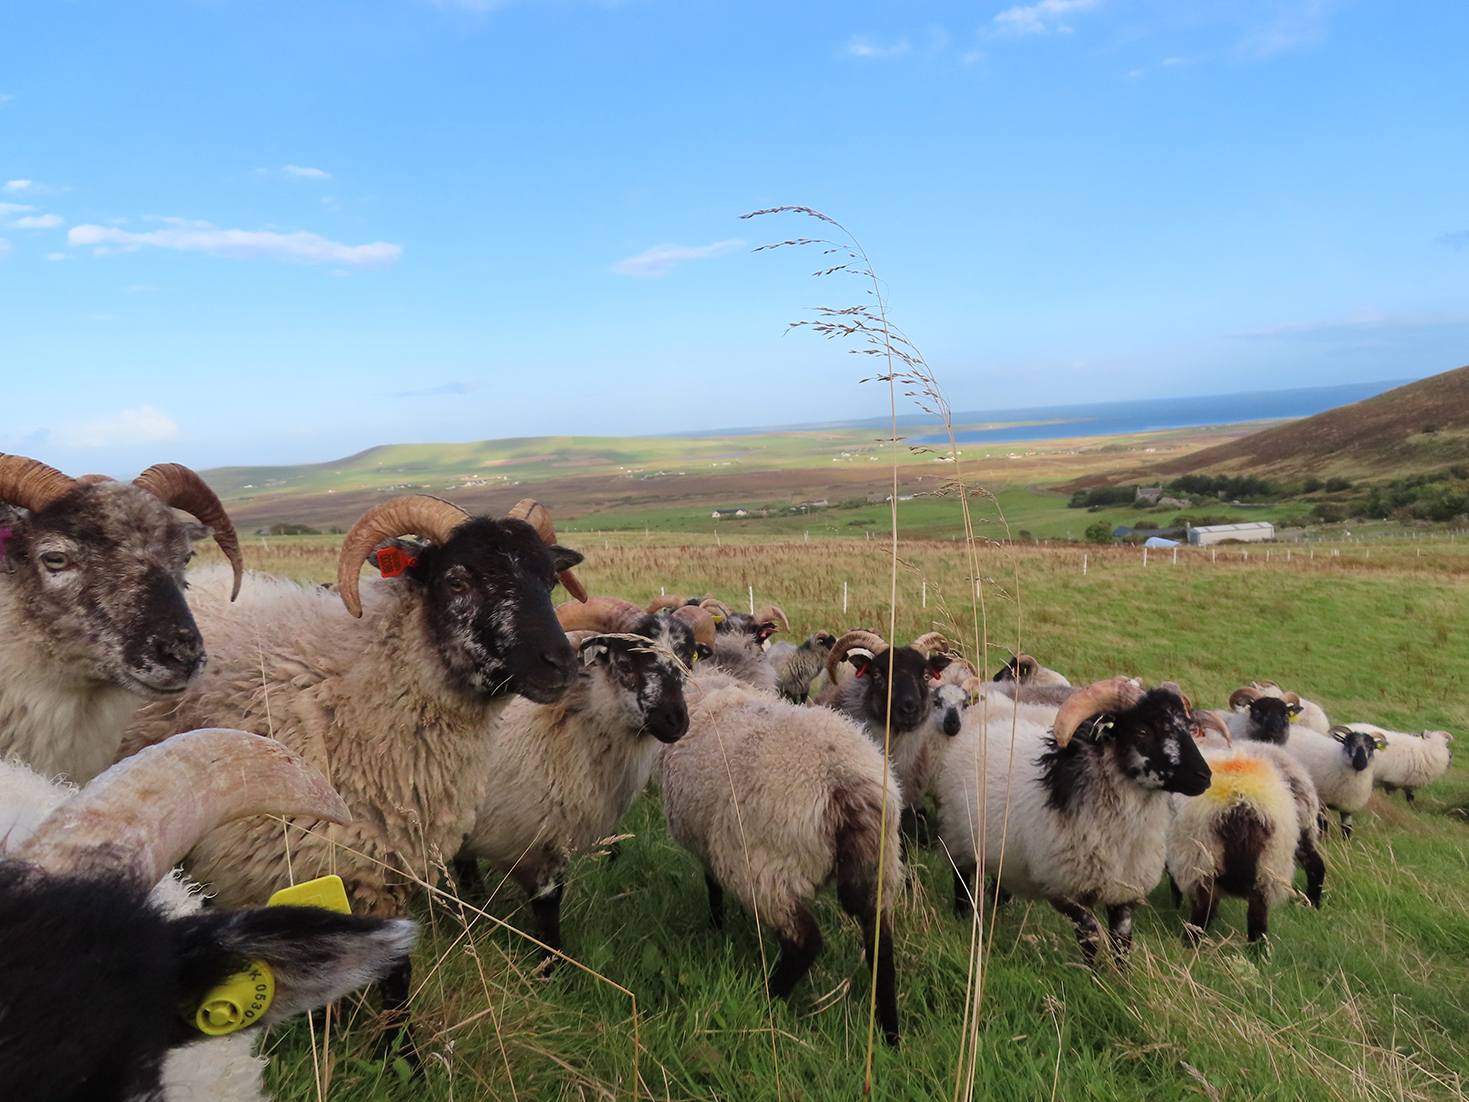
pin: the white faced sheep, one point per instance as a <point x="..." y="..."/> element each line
<point x="97" y="970"/>
<point x="563" y="775"/>
<point x="1077" y="816"/>
<point x="392" y="706"/>
<point x="92" y="613"/>
<point x="1236" y="838"/>
<point x="797" y="666"/>
<point x="1408" y="761"/>
<point x="1340" y="764"/>
<point x="776" y="800"/>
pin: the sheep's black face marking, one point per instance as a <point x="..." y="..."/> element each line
<point x="1358" y="748"/>
<point x="912" y="680"/>
<point x="1151" y="744"/>
<point x="651" y="684"/>
<point x="100" y="573"/>
<point x="487" y="610"/>
<point x="1269" y="720"/>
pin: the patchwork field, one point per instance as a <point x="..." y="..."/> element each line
<point x="1367" y="999"/>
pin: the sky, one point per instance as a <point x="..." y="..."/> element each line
<point x="287" y="231"/>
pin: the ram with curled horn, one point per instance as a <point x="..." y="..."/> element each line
<point x="392" y="698"/>
<point x="1077" y="815"/>
<point x="118" y="983"/>
<point x="93" y="619"/>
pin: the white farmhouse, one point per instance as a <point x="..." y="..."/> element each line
<point x="1252" y="531"/>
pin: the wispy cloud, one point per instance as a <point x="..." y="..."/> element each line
<point x="306" y="173"/>
<point x="17" y="186"/>
<point x="1048" y="15"/>
<point x="1295" y="23"/>
<point x="57" y="256"/>
<point x="304" y="247"/>
<point x="861" y="47"/>
<point x="1366" y="324"/>
<point x="468" y="386"/>
<point x="38" y="222"/>
<point x="660" y="258"/>
<point x="130" y="426"/>
<point x="1458" y="240"/>
<point x="7" y="209"/>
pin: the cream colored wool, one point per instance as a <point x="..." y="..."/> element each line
<point x="751" y="792"/>
<point x="361" y="700"/>
<point x="1408" y="760"/>
<point x="1337" y="784"/>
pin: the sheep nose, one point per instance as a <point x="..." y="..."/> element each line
<point x="181" y="650"/>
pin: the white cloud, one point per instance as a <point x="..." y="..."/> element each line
<point x="306" y="173"/>
<point x="860" y="47"/>
<point x="309" y="248"/>
<point x="131" y="426"/>
<point x="660" y="258"/>
<point x="57" y="256"/>
<point x="38" y="222"/>
<point x="1040" y="18"/>
<point x="22" y="185"/>
<point x="7" y="209"/>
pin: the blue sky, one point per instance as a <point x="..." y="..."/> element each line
<point x="283" y="232"/>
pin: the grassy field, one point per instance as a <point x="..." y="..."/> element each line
<point x="1367" y="999"/>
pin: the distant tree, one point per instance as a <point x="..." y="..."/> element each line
<point x="1100" y="532"/>
<point x="1337" y="485"/>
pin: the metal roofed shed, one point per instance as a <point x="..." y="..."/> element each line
<point x="1253" y="531"/>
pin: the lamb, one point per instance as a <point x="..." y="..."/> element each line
<point x="92" y="614"/>
<point x="1266" y="723"/>
<point x="1078" y="817"/>
<point x="1340" y="764"/>
<point x="776" y="800"/>
<point x="392" y="706"/>
<point x="1408" y="761"/>
<point x="564" y="774"/>
<point x="96" y="969"/>
<point x="1237" y="838"/>
<point x="797" y="666"/>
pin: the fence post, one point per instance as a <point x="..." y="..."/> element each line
<point x="1083" y="566"/>
<point x="844" y="598"/>
<point x="752" y="600"/>
<point x="925" y="592"/>
<point x="1145" y="556"/>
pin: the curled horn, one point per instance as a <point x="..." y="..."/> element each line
<point x="933" y="641"/>
<point x="1241" y="697"/>
<point x="1172" y="687"/>
<point x="180" y="488"/>
<point x="601" y="614"/>
<point x="29" y="483"/>
<point x="1203" y="718"/>
<point x="770" y="614"/>
<point x="1265" y="686"/>
<point x="539" y="517"/>
<point x="412" y="514"/>
<point x="1291" y="698"/>
<point x="671" y="600"/>
<point x="89" y="479"/>
<point x="700" y="619"/>
<point x="1116" y="695"/>
<point x="865" y="639"/>
<point x="717" y="608"/>
<point x="146" y="812"/>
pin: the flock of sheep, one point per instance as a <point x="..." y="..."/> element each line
<point x="448" y="714"/>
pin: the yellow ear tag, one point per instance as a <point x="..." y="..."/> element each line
<point x="241" y="999"/>
<point x="1295" y="717"/>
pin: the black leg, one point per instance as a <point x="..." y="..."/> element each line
<point x="798" y="949"/>
<point x="1119" y="922"/>
<point x="1310" y="860"/>
<point x="545" y="905"/>
<point x="397" y="1023"/>
<point x="1088" y="933"/>
<point x="1204" y="904"/>
<point x="614" y="851"/>
<point x="964" y="886"/>
<point x="1346" y="824"/>
<point x="470" y="880"/>
<point x="716" y="900"/>
<point x="1258" y="916"/>
<point x="858" y="896"/>
<point x="1174" y="892"/>
<point x="1408" y="792"/>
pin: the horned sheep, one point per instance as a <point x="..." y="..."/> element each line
<point x="1077" y="816"/>
<point x="1408" y="761"/>
<point x="92" y="614"/>
<point x="797" y="666"/>
<point x="97" y="967"/>
<point x="776" y="800"/>
<point x="1340" y="764"/>
<point x="392" y="706"/>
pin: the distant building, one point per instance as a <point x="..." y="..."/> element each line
<point x="877" y="498"/>
<point x="1148" y="493"/>
<point x="1253" y="531"/>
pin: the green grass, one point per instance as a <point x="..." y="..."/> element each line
<point x="1367" y="999"/>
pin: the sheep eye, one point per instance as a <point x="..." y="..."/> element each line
<point x="55" y="560"/>
<point x="457" y="585"/>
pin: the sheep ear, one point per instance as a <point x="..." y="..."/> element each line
<point x="564" y="558"/>
<point x="938" y="664"/>
<point x="703" y="652"/>
<point x="860" y="662"/>
<point x="315" y="955"/>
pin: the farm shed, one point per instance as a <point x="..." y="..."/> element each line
<point x="1248" y="532"/>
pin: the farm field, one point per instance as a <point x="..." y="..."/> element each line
<point x="1367" y="999"/>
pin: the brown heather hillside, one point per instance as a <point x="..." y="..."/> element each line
<point x="1382" y="437"/>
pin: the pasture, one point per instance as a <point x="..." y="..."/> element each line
<point x="1367" y="999"/>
